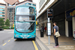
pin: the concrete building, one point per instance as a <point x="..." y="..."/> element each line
<point x="3" y="11"/>
<point x="7" y="11"/>
<point x="64" y="15"/>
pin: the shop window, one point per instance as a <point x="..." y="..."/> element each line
<point x="2" y="12"/>
<point x="2" y="6"/>
<point x="2" y="15"/>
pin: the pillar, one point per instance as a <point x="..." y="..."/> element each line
<point x="73" y="23"/>
<point x="66" y="28"/>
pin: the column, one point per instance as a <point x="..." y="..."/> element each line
<point x="73" y="23"/>
<point x="66" y="28"/>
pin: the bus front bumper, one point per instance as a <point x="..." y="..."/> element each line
<point x="24" y="36"/>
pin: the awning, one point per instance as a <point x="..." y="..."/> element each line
<point x="51" y="2"/>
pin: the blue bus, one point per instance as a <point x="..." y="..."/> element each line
<point x="25" y="22"/>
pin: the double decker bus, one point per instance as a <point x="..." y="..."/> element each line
<point x="25" y="22"/>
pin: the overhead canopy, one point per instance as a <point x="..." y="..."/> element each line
<point x="11" y="1"/>
<point x="50" y="3"/>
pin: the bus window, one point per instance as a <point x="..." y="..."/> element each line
<point x="25" y="11"/>
<point x="22" y="11"/>
<point x="25" y="26"/>
<point x="24" y="17"/>
<point x="31" y="10"/>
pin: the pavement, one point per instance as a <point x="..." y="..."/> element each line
<point x="7" y="42"/>
<point x="65" y="43"/>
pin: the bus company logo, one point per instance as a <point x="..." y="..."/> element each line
<point x="72" y="13"/>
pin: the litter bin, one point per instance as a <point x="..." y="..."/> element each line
<point x="42" y="32"/>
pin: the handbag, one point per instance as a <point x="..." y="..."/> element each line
<point x="57" y="34"/>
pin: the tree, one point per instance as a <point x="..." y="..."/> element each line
<point x="1" y="23"/>
<point x="7" y="23"/>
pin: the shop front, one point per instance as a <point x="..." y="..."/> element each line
<point x="70" y="18"/>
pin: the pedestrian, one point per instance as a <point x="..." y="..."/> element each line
<point x="42" y="31"/>
<point x="55" y="28"/>
<point x="45" y="28"/>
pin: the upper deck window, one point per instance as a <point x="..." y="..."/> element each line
<point x="25" y="11"/>
<point x="22" y="11"/>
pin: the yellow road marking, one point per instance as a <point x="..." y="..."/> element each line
<point x="35" y="45"/>
<point x="4" y="44"/>
<point x="8" y="40"/>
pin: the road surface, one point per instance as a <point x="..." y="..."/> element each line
<point x="7" y="42"/>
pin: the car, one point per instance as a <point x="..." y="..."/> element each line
<point x="1" y="29"/>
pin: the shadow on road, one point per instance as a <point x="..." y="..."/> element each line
<point x="24" y="39"/>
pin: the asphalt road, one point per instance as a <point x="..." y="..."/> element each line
<point x="7" y="42"/>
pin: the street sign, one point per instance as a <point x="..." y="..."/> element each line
<point x="50" y="13"/>
<point x="10" y="1"/>
<point x="49" y="29"/>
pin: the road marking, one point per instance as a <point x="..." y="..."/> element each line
<point x="35" y="45"/>
<point x="8" y="40"/>
<point x="4" y="44"/>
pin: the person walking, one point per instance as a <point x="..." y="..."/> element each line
<point x="42" y="31"/>
<point x="55" y="28"/>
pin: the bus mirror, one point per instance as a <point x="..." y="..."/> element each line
<point x="13" y="25"/>
<point x="36" y="23"/>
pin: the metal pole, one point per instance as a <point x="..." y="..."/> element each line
<point x="49" y="40"/>
<point x="48" y="27"/>
<point x="48" y="34"/>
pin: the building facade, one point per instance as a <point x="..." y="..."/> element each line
<point x="3" y="11"/>
<point x="7" y="11"/>
<point x="63" y="15"/>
